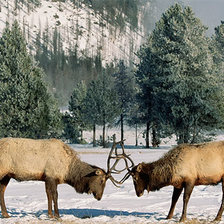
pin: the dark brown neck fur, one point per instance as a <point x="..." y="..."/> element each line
<point x="160" y="174"/>
<point x="78" y="176"/>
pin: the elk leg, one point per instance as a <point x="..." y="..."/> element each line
<point x="219" y="215"/>
<point x="52" y="195"/>
<point x="49" y="198"/>
<point x="55" y="200"/>
<point x="175" y="197"/>
<point x="188" y="188"/>
<point x="3" y="184"/>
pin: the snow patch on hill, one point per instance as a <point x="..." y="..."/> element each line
<point x="78" y="25"/>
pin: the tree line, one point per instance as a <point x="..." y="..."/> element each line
<point x="106" y="100"/>
<point x="178" y="82"/>
<point x="175" y="88"/>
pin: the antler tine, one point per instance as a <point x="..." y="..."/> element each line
<point x="125" y="156"/>
<point x="113" y="167"/>
<point x="112" y="157"/>
<point x="126" y="176"/>
<point x="118" y="157"/>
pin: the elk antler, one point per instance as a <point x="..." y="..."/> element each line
<point x="118" y="156"/>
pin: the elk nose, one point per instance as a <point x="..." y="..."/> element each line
<point x="140" y="194"/>
<point x="96" y="196"/>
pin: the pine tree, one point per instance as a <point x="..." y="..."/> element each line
<point x="147" y="100"/>
<point x="124" y="87"/>
<point x="109" y="108"/>
<point x="186" y="88"/>
<point x="217" y="45"/>
<point x="26" y="108"/>
<point x="133" y="119"/>
<point x="92" y="106"/>
<point x="76" y="106"/>
<point x="71" y="130"/>
<point x="101" y="106"/>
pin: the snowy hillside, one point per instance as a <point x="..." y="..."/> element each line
<point x="79" y="25"/>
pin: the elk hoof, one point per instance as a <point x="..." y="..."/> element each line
<point x="168" y="217"/>
<point x="182" y="220"/>
<point x="217" y="219"/>
<point x="51" y="216"/>
<point x="56" y="217"/>
<point x="5" y="215"/>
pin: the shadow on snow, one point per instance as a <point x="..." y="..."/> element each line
<point x="90" y="213"/>
<point x="82" y="213"/>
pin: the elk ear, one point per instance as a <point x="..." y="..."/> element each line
<point x="139" y="168"/>
<point x="99" y="172"/>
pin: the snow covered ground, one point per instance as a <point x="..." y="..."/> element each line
<point x="27" y="202"/>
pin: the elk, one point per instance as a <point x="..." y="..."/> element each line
<point x="53" y="162"/>
<point x="183" y="167"/>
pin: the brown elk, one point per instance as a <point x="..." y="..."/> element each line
<point x="183" y="167"/>
<point x="53" y="162"/>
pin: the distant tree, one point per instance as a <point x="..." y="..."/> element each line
<point x="101" y="104"/>
<point x="118" y="11"/>
<point x="71" y="130"/>
<point x="38" y="46"/>
<point x="133" y="119"/>
<point x="44" y="58"/>
<point x="147" y="100"/>
<point x="64" y="69"/>
<point x="109" y="108"/>
<point x="92" y="106"/>
<point x="76" y="107"/>
<point x="125" y="90"/>
<point x="26" y="107"/>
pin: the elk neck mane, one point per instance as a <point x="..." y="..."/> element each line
<point x="76" y="177"/>
<point x="161" y="171"/>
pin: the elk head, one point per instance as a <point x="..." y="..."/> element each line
<point x="140" y="179"/>
<point x="96" y="182"/>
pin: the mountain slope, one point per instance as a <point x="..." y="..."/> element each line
<point x="91" y="28"/>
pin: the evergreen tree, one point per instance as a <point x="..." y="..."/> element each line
<point x="217" y="48"/>
<point x="71" y="130"/>
<point x="147" y="100"/>
<point x="44" y="58"/>
<point x="133" y="119"/>
<point x="118" y="11"/>
<point x="124" y="87"/>
<point x="26" y="108"/>
<point x="187" y="89"/>
<point x="92" y="107"/>
<point x="101" y="106"/>
<point x="109" y="104"/>
<point x="76" y="106"/>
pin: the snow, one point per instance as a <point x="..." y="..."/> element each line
<point x="27" y="202"/>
